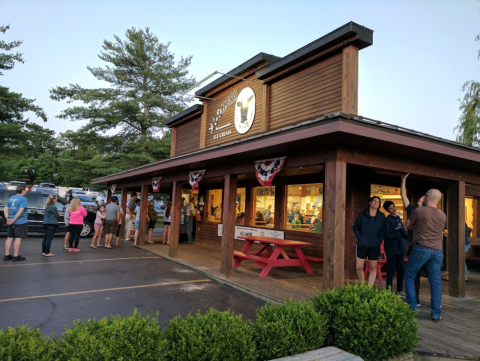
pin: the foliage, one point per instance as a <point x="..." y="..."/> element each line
<point x="468" y="128"/>
<point x="146" y="89"/>
<point x="130" y="338"/>
<point x="288" y="329"/>
<point x="371" y="323"/>
<point x="213" y="336"/>
<point x="7" y="61"/>
<point x="22" y="343"/>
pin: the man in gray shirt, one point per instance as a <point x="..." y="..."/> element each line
<point x="112" y="220"/>
<point x="130" y="216"/>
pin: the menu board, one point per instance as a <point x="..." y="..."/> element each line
<point x="251" y="231"/>
<point x="266" y="191"/>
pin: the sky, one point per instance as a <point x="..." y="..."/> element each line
<point x="422" y="53"/>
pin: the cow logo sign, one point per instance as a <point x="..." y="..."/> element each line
<point x="245" y="110"/>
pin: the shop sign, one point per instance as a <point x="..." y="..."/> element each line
<point x="250" y="231"/>
<point x="229" y="100"/>
<point x="245" y="110"/>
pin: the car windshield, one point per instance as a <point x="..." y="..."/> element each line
<point x="18" y="183"/>
<point x="45" y="190"/>
<point x="85" y="198"/>
<point x="47" y="185"/>
<point x="3" y="186"/>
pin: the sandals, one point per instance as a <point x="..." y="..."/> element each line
<point x="100" y="246"/>
<point x="108" y="247"/>
<point x="93" y="247"/>
<point x="48" y="255"/>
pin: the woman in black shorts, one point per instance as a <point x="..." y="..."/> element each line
<point x="152" y="220"/>
<point x="166" y="224"/>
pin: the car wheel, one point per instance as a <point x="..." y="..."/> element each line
<point x="87" y="229"/>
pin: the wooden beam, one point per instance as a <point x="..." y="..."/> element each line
<point x="249" y="205"/>
<point x="203" y="125"/>
<point x="109" y="195"/>
<point x="280" y="205"/>
<point x="143" y="215"/>
<point x="265" y="107"/>
<point x="173" y="145"/>
<point x="335" y="189"/>
<point x="350" y="80"/>
<point x="456" y="239"/>
<point x="123" y="205"/>
<point x="228" y="221"/>
<point x="175" y="219"/>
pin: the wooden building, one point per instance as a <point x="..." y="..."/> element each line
<point x="304" y="107"/>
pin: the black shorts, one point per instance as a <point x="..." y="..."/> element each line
<point x="166" y="223"/>
<point x="17" y="230"/>
<point x="68" y="229"/>
<point x="151" y="224"/>
<point x="118" y="230"/>
<point x="372" y="253"/>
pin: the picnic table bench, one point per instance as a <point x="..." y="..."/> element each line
<point x="272" y="254"/>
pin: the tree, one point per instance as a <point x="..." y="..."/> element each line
<point x="468" y="128"/>
<point x="146" y="89"/>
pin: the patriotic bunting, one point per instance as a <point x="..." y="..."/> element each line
<point x="195" y="177"/>
<point x="265" y="170"/>
<point x="156" y="182"/>
<point x="112" y="188"/>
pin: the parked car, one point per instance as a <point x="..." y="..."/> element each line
<point x="92" y="193"/>
<point x="49" y="186"/>
<point x="87" y="202"/>
<point x="3" y="186"/>
<point x="72" y="192"/>
<point x="14" y="184"/>
<point x="36" y="209"/>
<point x="103" y="197"/>
<point x="37" y="188"/>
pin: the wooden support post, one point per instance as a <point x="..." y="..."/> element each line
<point x="109" y="195"/>
<point x="173" y="144"/>
<point x="175" y="219"/>
<point x="143" y="215"/>
<point x="228" y="220"/>
<point x="350" y="80"/>
<point x="278" y="214"/>
<point x="203" y="125"/>
<point x="334" y="224"/>
<point x="249" y="206"/>
<point x="123" y="205"/>
<point x="456" y="239"/>
<point x="265" y="107"/>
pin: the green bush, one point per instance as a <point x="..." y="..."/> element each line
<point x="213" y="336"/>
<point x="22" y="343"/>
<point x="371" y="323"/>
<point x="130" y="338"/>
<point x="288" y="329"/>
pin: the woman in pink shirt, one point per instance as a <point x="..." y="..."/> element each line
<point x="77" y="212"/>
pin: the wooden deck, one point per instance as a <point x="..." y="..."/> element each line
<point x="456" y="336"/>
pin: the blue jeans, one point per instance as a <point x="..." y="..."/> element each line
<point x="432" y="260"/>
<point x="189" y="221"/>
<point x="467" y="247"/>
<point x="47" y="238"/>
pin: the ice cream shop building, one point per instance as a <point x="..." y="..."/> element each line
<point x="279" y="139"/>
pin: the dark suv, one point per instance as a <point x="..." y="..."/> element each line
<point x="36" y="209"/>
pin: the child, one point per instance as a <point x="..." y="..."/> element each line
<point x="98" y="226"/>
<point x="296" y="221"/>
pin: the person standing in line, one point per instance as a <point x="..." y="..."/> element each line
<point x="190" y="213"/>
<point x="77" y="213"/>
<point x="50" y="224"/>
<point x="369" y="231"/>
<point x="268" y="212"/>
<point x="428" y="224"/>
<point x="66" y="218"/>
<point x="120" y="222"/>
<point x="395" y="235"/>
<point x="166" y="223"/>
<point x="112" y="219"/>
<point x="152" y="220"/>
<point x="409" y="208"/>
<point x="16" y="213"/>
<point x="137" y="221"/>
<point x="130" y="217"/>
<point x="98" y="226"/>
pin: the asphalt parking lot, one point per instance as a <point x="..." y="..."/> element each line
<point x="49" y="293"/>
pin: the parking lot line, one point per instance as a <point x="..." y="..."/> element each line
<point x="106" y="290"/>
<point x="79" y="261"/>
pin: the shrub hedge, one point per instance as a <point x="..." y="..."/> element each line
<point x="213" y="336"/>
<point x="368" y="322"/>
<point x="288" y="329"/>
<point x="371" y="323"/>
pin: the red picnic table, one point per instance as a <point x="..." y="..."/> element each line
<point x="267" y="256"/>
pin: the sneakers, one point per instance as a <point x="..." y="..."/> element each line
<point x="126" y="241"/>
<point x="18" y="258"/>
<point x="418" y="304"/>
<point x="436" y="319"/>
<point x="70" y="250"/>
<point x="76" y="250"/>
<point x="401" y="294"/>
<point x="8" y="257"/>
<point x="430" y="308"/>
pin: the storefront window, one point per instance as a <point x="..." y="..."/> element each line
<point x="471" y="215"/>
<point x="215" y="205"/>
<point x="240" y="207"/>
<point x="305" y="207"/>
<point x="386" y="193"/>
<point x="264" y="207"/>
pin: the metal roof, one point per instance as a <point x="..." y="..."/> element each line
<point x="185" y="113"/>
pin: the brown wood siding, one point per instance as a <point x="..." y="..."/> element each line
<point x="313" y="91"/>
<point x="188" y="137"/>
<point x="229" y="115"/>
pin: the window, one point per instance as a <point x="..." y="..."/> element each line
<point x="304" y="208"/>
<point x="240" y="206"/>
<point x="59" y="205"/>
<point x="214" y="210"/>
<point x="264" y="207"/>
<point x="386" y="193"/>
<point x="471" y="215"/>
